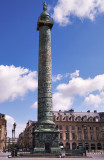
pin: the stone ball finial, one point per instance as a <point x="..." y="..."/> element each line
<point x="44" y="6"/>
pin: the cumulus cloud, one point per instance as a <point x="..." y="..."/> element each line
<point x="64" y="9"/>
<point x="82" y="87"/>
<point x="61" y="102"/>
<point x="75" y="74"/>
<point x="65" y="93"/>
<point x="19" y="126"/>
<point x="94" y="100"/>
<point x="57" y="78"/>
<point x="16" y="82"/>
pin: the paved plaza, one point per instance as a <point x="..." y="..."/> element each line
<point x="90" y="156"/>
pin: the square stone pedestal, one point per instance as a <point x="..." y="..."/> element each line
<point x="46" y="139"/>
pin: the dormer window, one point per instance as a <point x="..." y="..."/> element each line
<point x="79" y="119"/>
<point x="66" y="118"/>
<point x="60" y="118"/>
<point x="84" y="119"/>
<point x="72" y="118"/>
<point x="63" y="118"/>
<point x="90" y="119"/>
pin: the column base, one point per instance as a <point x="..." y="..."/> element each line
<point x="46" y="139"/>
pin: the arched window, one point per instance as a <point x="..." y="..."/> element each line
<point x="67" y="145"/>
<point x="78" y="119"/>
<point x="93" y="146"/>
<point x="99" y="147"/>
<point x="84" y="118"/>
<point x="90" y="119"/>
<point x="73" y="145"/>
<point x="87" y="146"/>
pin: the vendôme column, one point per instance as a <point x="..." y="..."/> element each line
<point x="45" y="70"/>
<point x="45" y="131"/>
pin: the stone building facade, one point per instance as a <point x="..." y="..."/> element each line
<point x="2" y="132"/>
<point x="76" y="129"/>
<point x="80" y="129"/>
<point x="25" y="139"/>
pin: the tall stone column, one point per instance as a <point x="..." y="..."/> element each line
<point x="45" y="70"/>
<point x="45" y="132"/>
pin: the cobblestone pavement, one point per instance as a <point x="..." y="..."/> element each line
<point x="90" y="156"/>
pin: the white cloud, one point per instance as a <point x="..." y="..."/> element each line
<point x="19" y="126"/>
<point x="61" y="102"/>
<point x="82" y="87"/>
<point x="64" y="9"/>
<point x="65" y="94"/>
<point x="94" y="100"/>
<point x="75" y="74"/>
<point x="57" y="78"/>
<point x="16" y="82"/>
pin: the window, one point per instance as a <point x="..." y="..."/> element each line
<point x="85" y="135"/>
<point x="79" y="136"/>
<point x="60" y="135"/>
<point x="57" y="118"/>
<point x="92" y="137"/>
<point x="67" y="135"/>
<point x="60" y="127"/>
<point x="90" y="119"/>
<point x="98" y="137"/>
<point x="79" y="119"/>
<point x="66" y="118"/>
<point x="79" y="127"/>
<point x="91" y="128"/>
<point x="84" y="127"/>
<point x="72" y="118"/>
<point x="73" y="128"/>
<point x="67" y="128"/>
<point x="60" y="118"/>
<point x="73" y="135"/>
<point x="97" y="128"/>
<point x="84" y="119"/>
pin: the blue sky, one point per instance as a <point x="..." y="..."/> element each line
<point x="77" y="57"/>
